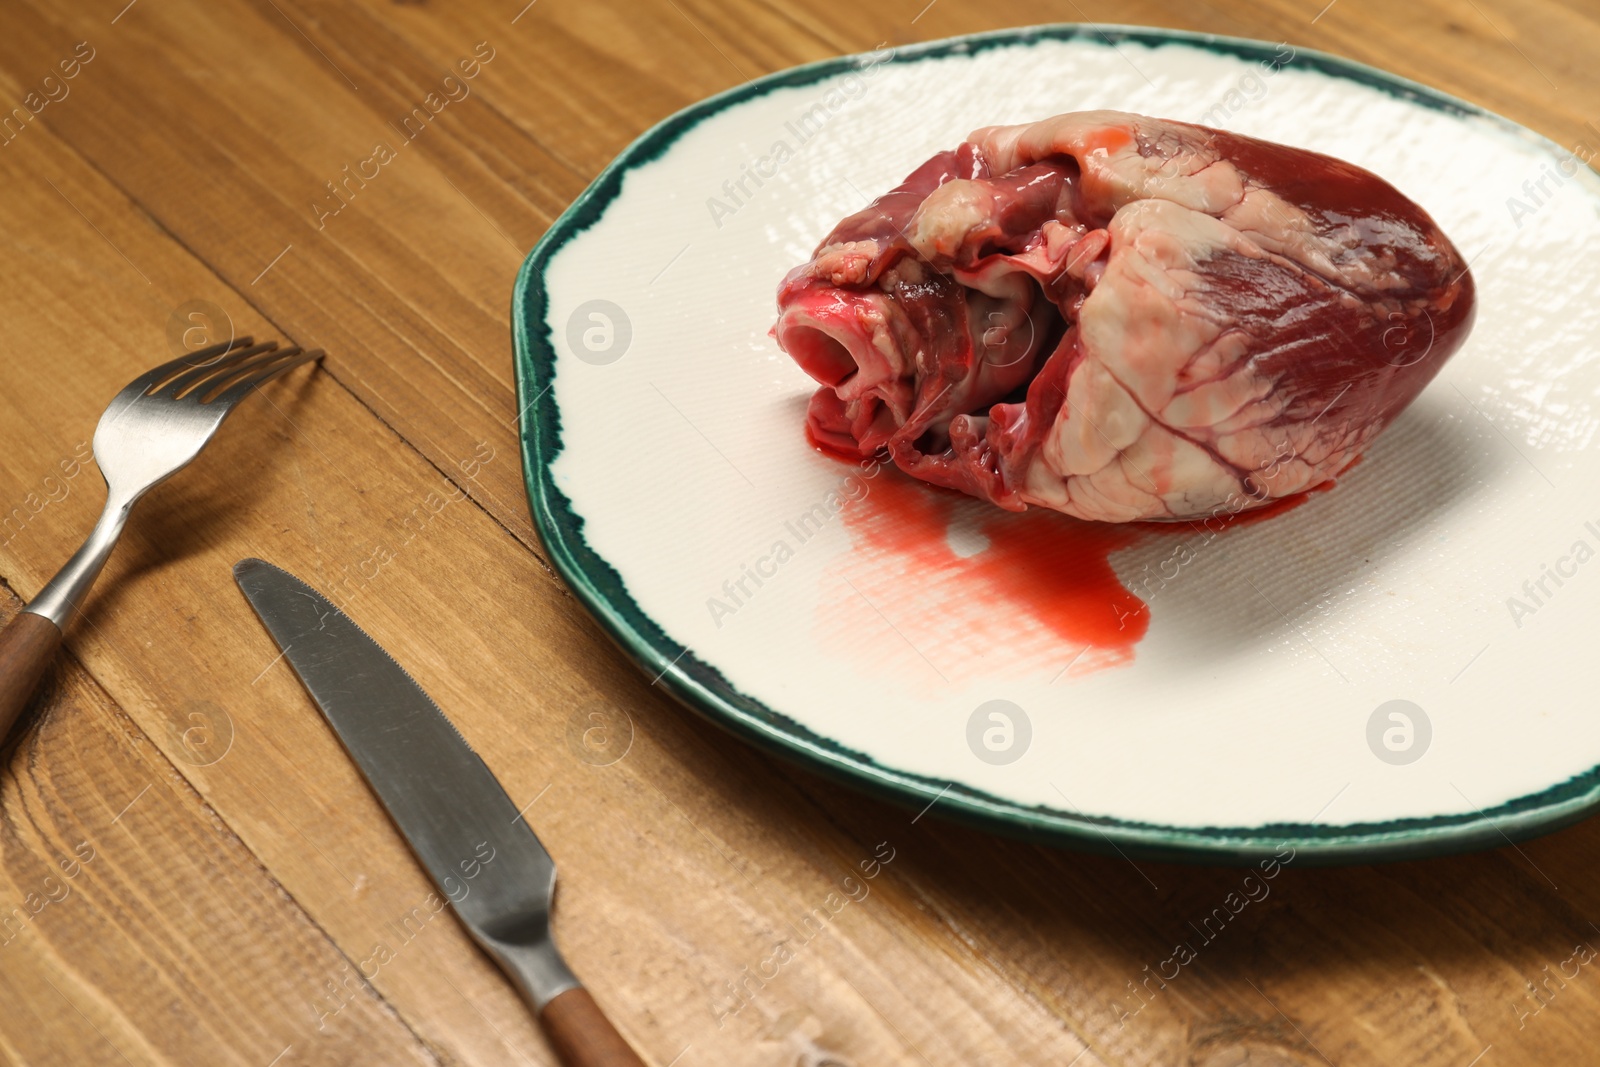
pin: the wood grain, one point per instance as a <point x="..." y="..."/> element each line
<point x="134" y="927"/>
<point x="720" y="903"/>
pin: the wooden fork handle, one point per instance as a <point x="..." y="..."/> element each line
<point x="27" y="645"/>
<point x="582" y="1035"/>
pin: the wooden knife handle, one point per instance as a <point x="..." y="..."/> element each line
<point x="27" y="645"/>
<point x="582" y="1035"/>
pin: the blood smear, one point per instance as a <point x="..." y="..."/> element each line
<point x="1039" y="595"/>
<point x="1040" y="592"/>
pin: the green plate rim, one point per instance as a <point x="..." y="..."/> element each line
<point x="702" y="688"/>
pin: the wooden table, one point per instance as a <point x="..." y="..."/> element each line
<point x="192" y="871"/>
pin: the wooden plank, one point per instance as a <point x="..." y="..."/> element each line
<point x="407" y="275"/>
<point x="416" y="313"/>
<point x="682" y="865"/>
<point x="1528" y="60"/>
<point x="1428" y="998"/>
<point x="1421" y="963"/>
<point x="689" y="866"/>
<point x="135" y="928"/>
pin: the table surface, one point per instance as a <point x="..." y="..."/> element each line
<point x="191" y="872"/>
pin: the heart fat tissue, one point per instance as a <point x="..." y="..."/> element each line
<point x="1124" y="318"/>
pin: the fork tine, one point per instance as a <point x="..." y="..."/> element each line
<point x="209" y="379"/>
<point x="220" y="366"/>
<point x="219" y="349"/>
<point x="214" y="388"/>
<point x="166" y="370"/>
<point x="241" y="389"/>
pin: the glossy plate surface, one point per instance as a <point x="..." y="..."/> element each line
<point x="918" y="646"/>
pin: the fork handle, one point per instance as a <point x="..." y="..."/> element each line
<point x="29" y="642"/>
<point x="27" y="645"/>
<point x="66" y="592"/>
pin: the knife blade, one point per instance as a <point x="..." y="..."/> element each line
<point x="449" y="806"/>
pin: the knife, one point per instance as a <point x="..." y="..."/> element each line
<point x="475" y="845"/>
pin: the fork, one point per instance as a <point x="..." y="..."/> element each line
<point x="151" y="430"/>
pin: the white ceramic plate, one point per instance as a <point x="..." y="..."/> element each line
<point x="669" y="475"/>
